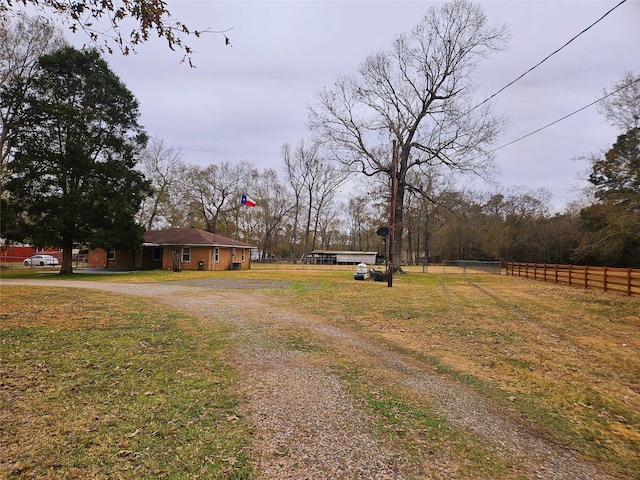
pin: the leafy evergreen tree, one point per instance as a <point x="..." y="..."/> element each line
<point x="617" y="175"/>
<point x="72" y="175"/>
<point x="613" y="224"/>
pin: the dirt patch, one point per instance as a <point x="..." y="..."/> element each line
<point x="233" y="283"/>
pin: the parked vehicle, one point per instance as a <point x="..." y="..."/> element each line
<point x="40" y="260"/>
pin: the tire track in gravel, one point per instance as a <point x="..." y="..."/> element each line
<point x="307" y="427"/>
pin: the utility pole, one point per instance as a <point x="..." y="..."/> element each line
<point x="392" y="221"/>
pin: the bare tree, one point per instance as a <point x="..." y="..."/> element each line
<point x="296" y="181"/>
<point x="360" y="222"/>
<point x="328" y="180"/>
<point x="216" y="191"/>
<point x="23" y="42"/>
<point x="273" y="207"/>
<point x="164" y="168"/>
<point x="427" y="196"/>
<point x="123" y="25"/>
<point x="420" y="94"/>
<point x="330" y="227"/>
<point x="622" y="105"/>
<point x="317" y="178"/>
<point x="302" y="168"/>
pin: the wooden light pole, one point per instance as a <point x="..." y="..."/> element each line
<point x="392" y="221"/>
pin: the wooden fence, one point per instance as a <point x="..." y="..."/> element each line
<point x="609" y="279"/>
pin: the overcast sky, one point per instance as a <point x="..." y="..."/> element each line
<point x="243" y="102"/>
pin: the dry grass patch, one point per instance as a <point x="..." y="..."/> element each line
<point x="565" y="359"/>
<point x="98" y="386"/>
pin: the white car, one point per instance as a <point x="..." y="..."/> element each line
<point x="40" y="260"/>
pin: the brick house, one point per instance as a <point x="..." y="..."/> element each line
<point x="192" y="248"/>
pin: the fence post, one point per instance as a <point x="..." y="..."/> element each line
<point x="586" y="276"/>
<point x="569" y="274"/>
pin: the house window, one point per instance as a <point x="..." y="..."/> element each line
<point x="157" y="254"/>
<point x="186" y="254"/>
<point x="243" y="250"/>
<point x="111" y="254"/>
<point x="216" y="254"/>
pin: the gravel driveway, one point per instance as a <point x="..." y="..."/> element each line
<point x="306" y="424"/>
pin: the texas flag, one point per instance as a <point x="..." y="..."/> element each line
<point x="247" y="201"/>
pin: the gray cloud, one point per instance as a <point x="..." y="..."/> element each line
<point x="243" y="102"/>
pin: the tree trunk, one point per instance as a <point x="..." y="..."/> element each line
<point x="176" y="259"/>
<point x="315" y="229"/>
<point x="398" y="227"/>
<point x="307" y="230"/>
<point x="154" y="210"/>
<point x="67" y="255"/>
<point x="427" y="237"/>
<point x="293" y="241"/>
<point x="266" y="246"/>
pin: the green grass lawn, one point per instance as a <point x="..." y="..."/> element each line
<point x="99" y="386"/>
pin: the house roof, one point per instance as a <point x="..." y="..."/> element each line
<point x="341" y="252"/>
<point x="189" y="237"/>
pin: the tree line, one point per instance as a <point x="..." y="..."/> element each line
<point x="78" y="168"/>
<point x="294" y="216"/>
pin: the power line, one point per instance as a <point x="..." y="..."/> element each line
<point x="546" y="58"/>
<point x="565" y="117"/>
